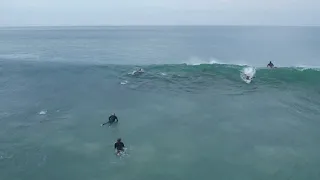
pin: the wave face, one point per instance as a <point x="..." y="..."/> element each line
<point x="192" y="78"/>
<point x="219" y="75"/>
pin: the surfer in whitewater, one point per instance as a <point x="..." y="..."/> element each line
<point x="119" y="146"/>
<point x="112" y="119"/>
<point x="249" y="78"/>
<point x="270" y="65"/>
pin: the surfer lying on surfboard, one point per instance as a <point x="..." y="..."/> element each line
<point x="112" y="119"/>
<point x="119" y="146"/>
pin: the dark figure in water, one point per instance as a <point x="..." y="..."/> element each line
<point x="112" y="119"/>
<point x="138" y="72"/>
<point x="249" y="78"/>
<point x="270" y="65"/>
<point x="119" y="146"/>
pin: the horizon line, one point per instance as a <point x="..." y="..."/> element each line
<point x="164" y="25"/>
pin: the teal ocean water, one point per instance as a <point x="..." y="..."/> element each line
<point x="189" y="115"/>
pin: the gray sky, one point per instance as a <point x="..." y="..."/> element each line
<point x="159" y="12"/>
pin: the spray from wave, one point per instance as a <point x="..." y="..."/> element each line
<point x="196" y="61"/>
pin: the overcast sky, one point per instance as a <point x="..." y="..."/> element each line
<point x="159" y="12"/>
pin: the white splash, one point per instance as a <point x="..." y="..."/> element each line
<point x="247" y="74"/>
<point x="137" y="72"/>
<point x="43" y="112"/>
<point x="124" y="82"/>
<point x="195" y="61"/>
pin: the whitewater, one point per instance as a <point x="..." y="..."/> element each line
<point x="188" y="115"/>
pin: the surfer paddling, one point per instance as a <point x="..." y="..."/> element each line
<point x="119" y="146"/>
<point x="112" y="119"/>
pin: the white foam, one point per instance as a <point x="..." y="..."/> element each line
<point x="247" y="71"/>
<point x="122" y="154"/>
<point x="4" y="155"/>
<point x="306" y="67"/>
<point x="136" y="72"/>
<point x="195" y="61"/>
<point x="43" y="112"/>
<point x="124" y="82"/>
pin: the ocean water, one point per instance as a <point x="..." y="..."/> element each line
<point x="189" y="116"/>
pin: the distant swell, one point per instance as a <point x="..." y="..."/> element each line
<point x="19" y="56"/>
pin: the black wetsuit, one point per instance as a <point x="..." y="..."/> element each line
<point x="119" y="146"/>
<point x="112" y="119"/>
<point x="270" y="65"/>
